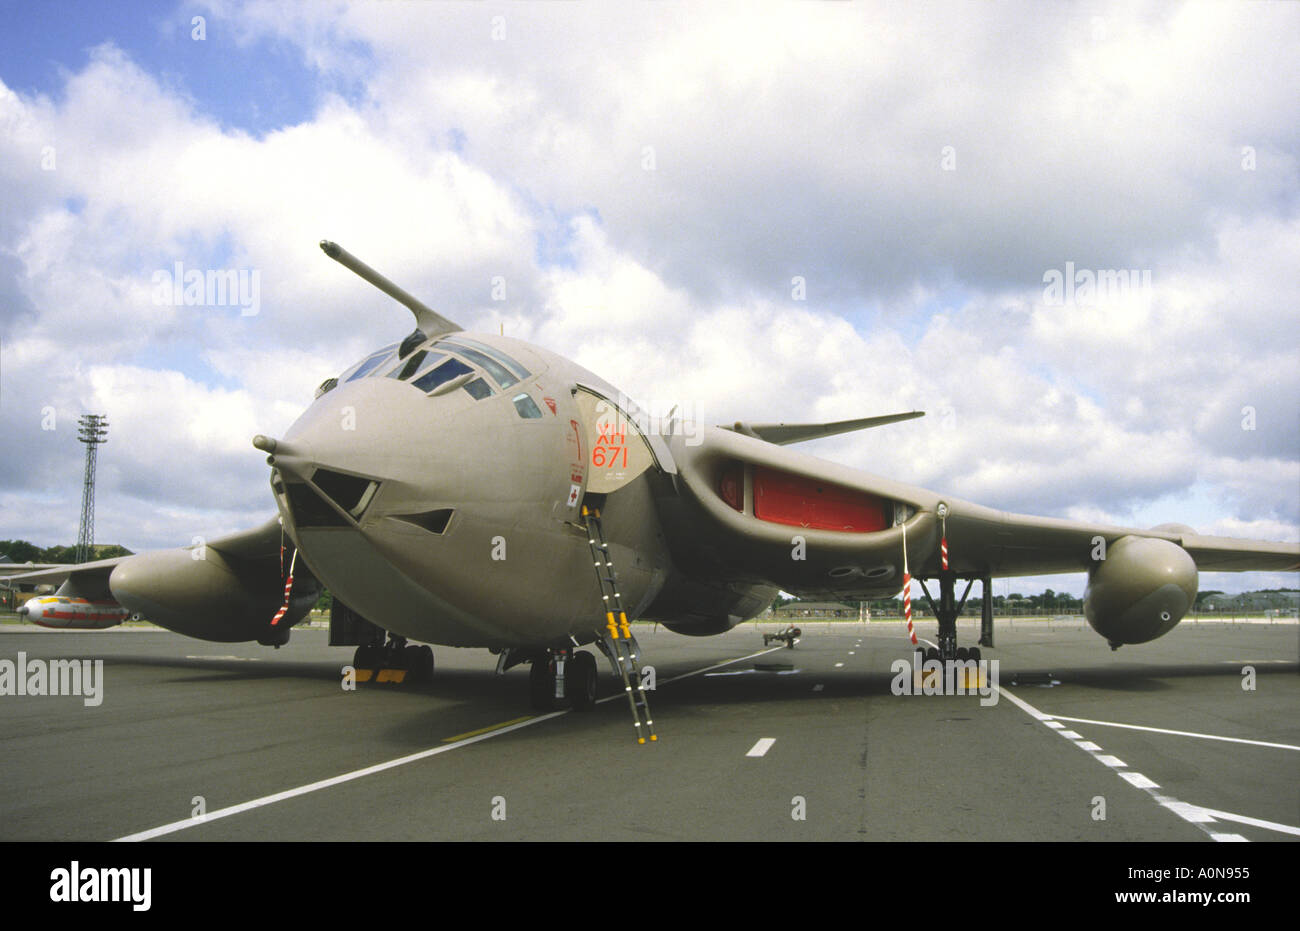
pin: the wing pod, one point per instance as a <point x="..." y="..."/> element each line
<point x="1140" y="591"/>
<point x="227" y="590"/>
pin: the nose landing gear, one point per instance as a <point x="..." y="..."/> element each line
<point x="563" y="675"/>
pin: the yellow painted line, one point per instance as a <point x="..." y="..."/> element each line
<point x="391" y="675"/>
<point x="486" y="730"/>
<point x="365" y="675"/>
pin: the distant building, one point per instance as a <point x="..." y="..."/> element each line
<point x="1285" y="603"/>
<point x="815" y="609"/>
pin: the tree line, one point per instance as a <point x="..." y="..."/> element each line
<point x="21" y="551"/>
<point x="1047" y="601"/>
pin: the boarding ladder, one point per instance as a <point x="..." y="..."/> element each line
<point x="617" y="641"/>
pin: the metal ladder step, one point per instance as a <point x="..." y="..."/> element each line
<point x="617" y="642"/>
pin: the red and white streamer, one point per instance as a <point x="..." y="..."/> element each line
<point x="907" y="591"/>
<point x="288" y="587"/>
<point x="943" y="543"/>
<point x="907" y="606"/>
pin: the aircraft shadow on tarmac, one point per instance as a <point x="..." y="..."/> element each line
<point x="739" y="684"/>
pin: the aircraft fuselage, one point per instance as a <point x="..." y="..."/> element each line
<point x="452" y="516"/>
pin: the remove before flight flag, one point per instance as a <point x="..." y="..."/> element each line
<point x="907" y="591"/>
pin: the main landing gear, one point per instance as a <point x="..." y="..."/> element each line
<point x="949" y="609"/>
<point x="394" y="661"/>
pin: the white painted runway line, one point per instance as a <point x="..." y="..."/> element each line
<point x="1184" y="810"/>
<point x="1165" y="730"/>
<point x="764" y="744"/>
<point x="326" y="783"/>
<point x="1254" y="822"/>
<point x="1193" y="814"/>
<point x="1137" y="779"/>
<point x="392" y="764"/>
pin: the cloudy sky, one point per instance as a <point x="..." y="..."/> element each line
<point x="791" y="212"/>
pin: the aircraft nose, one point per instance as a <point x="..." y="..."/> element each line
<point x="22" y="611"/>
<point x="352" y="441"/>
<point x="376" y="426"/>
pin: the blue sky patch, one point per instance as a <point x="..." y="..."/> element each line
<point x="259" y="87"/>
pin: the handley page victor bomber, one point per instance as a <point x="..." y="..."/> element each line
<point x="476" y="491"/>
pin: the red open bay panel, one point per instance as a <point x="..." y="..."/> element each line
<point x="731" y="485"/>
<point x="783" y="498"/>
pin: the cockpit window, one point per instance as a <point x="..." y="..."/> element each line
<point x="430" y="360"/>
<point x="368" y="364"/>
<point x="478" y="389"/>
<point x="503" y="376"/>
<point x="404" y="370"/>
<point x="527" y="407"/>
<point x="429" y="369"/>
<point x="442" y="374"/>
<point x="519" y="371"/>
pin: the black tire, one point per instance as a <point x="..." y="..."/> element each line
<point x="975" y="654"/>
<point x="963" y="654"/>
<point x="580" y="681"/>
<point x="541" y="684"/>
<point x="366" y="657"/>
<point x="418" y="661"/>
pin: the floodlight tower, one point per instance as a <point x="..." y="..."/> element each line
<point x="92" y="429"/>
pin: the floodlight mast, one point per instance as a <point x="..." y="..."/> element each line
<point x="92" y="430"/>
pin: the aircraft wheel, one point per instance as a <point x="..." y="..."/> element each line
<point x="418" y="661"/>
<point x="975" y="654"/>
<point x="580" y="681"/>
<point x="366" y="657"/>
<point x="930" y="654"/>
<point x="541" y="684"/>
<point x="963" y="654"/>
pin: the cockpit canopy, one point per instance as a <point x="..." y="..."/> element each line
<point x="438" y="367"/>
